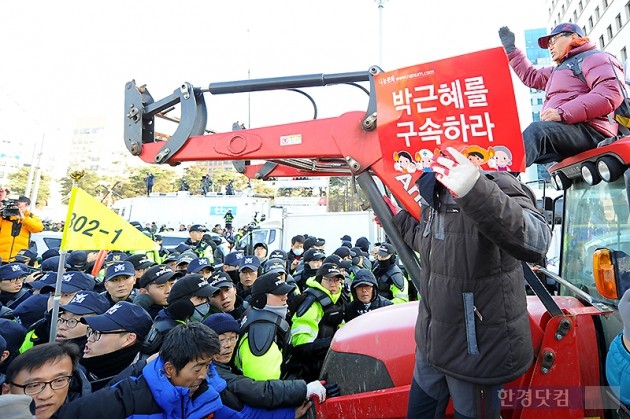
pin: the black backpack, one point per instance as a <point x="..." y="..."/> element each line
<point x="622" y="113"/>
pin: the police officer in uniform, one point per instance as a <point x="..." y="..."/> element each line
<point x="12" y="290"/>
<point x="392" y="284"/>
<point x="264" y="331"/>
<point x="316" y="319"/>
<point x="197" y="245"/>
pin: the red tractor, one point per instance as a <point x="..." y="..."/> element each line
<point x="372" y="356"/>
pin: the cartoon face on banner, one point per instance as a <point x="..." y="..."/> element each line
<point x="466" y="102"/>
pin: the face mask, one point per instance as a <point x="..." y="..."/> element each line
<point x="279" y="310"/>
<point x="298" y="252"/>
<point x="201" y="311"/>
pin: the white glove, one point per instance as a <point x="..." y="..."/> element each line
<point x="457" y="173"/>
<point x="315" y="388"/>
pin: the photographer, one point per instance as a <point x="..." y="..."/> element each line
<point x="16" y="225"/>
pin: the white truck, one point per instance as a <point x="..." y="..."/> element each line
<point x="330" y="226"/>
<point x="178" y="208"/>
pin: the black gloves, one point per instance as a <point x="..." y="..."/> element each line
<point x="332" y="390"/>
<point x="507" y="39"/>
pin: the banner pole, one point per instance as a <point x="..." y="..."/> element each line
<point x="57" y="297"/>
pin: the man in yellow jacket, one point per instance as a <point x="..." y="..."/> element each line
<point x="16" y="225"/>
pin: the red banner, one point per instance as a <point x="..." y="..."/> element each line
<point x="466" y="102"/>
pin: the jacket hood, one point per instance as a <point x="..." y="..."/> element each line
<point x="171" y="398"/>
<point x="311" y="282"/>
<point x="79" y="386"/>
<point x="361" y="278"/>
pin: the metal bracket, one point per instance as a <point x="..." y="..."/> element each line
<point x="369" y="122"/>
<point x="140" y="111"/>
<point x="548" y="358"/>
<point x="563" y="328"/>
<point x="266" y="168"/>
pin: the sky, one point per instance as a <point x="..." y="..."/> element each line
<point x="70" y="59"/>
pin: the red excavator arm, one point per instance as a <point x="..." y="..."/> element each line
<point x="348" y="145"/>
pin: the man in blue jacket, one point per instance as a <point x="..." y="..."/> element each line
<point x="180" y="383"/>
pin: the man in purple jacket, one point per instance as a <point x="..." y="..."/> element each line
<point x="576" y="114"/>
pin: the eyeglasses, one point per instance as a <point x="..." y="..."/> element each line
<point x="231" y="339"/>
<point x="14" y="280"/>
<point x="96" y="334"/>
<point x="553" y="39"/>
<point x="35" y="388"/>
<point x="71" y="323"/>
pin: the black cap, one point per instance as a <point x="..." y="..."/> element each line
<point x="50" y="253"/>
<point x="313" y="254"/>
<point x="221" y="279"/>
<point x="77" y="259"/>
<point x="386" y="249"/>
<point x="329" y="270"/>
<point x="198" y="227"/>
<point x="25" y="255"/>
<point x="271" y="284"/>
<point x="140" y="261"/>
<point x="261" y="244"/>
<point x="346" y="238"/>
<point x="181" y="248"/>
<point x="344" y="252"/>
<point x="278" y="254"/>
<point x="363" y="243"/>
<point x="344" y="263"/>
<point x="171" y="257"/>
<point x="189" y="285"/>
<point x="186" y="257"/>
<point x="158" y="274"/>
<point x="275" y="266"/>
<point x="313" y="241"/>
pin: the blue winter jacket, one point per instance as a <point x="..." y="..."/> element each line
<point x="618" y="369"/>
<point x="152" y="396"/>
<point x="176" y="401"/>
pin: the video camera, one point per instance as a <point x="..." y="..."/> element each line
<point x="9" y="208"/>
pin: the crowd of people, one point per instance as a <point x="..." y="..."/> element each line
<point x="187" y="332"/>
<point x="198" y="333"/>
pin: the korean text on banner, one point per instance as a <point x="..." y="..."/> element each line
<point x="90" y="225"/>
<point x="466" y="102"/>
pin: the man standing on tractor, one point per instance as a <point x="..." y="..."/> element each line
<point x="472" y="332"/>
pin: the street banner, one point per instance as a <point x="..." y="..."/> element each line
<point x="90" y="225"/>
<point x="466" y="102"/>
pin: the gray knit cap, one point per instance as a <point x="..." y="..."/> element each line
<point x="16" y="406"/>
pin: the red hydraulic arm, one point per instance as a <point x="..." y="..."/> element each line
<point x="347" y="145"/>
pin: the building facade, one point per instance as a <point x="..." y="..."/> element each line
<point x="605" y="22"/>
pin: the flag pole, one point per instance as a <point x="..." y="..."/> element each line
<point x="61" y="268"/>
<point x="57" y="296"/>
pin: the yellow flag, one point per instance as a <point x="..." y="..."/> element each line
<point x="90" y="225"/>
